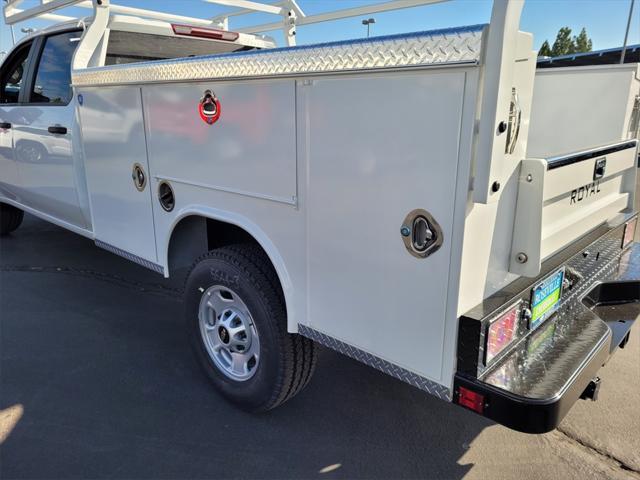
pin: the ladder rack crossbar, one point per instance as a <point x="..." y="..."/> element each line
<point x="344" y="13"/>
<point x="290" y="13"/>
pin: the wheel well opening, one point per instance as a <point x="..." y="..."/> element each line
<point x="220" y="234"/>
<point x="193" y="236"/>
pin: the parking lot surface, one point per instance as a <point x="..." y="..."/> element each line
<point x="97" y="381"/>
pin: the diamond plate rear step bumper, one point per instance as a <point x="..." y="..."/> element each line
<point x="534" y="385"/>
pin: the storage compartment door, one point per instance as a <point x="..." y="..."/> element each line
<point x="114" y="147"/>
<point x="576" y="108"/>
<point x="381" y="146"/>
<point x="250" y="151"/>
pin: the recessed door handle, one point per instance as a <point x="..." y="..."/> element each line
<point x="138" y="177"/>
<point x="5" y="125"/>
<point x="57" y="129"/>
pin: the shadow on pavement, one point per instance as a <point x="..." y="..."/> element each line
<point x="92" y="348"/>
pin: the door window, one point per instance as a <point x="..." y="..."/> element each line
<point x="53" y="77"/>
<point x="12" y="75"/>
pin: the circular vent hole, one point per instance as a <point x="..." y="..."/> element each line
<point x="166" y="197"/>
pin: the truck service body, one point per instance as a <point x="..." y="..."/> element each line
<point x="424" y="202"/>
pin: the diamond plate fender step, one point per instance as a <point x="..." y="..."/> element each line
<point x="378" y="363"/>
<point x="130" y="256"/>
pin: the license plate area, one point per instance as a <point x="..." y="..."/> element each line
<point x="545" y="298"/>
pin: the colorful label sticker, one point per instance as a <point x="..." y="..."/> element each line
<point x="545" y="298"/>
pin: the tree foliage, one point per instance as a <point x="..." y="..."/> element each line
<point x="545" y="50"/>
<point x="566" y="44"/>
<point x="582" y="42"/>
<point x="563" y="44"/>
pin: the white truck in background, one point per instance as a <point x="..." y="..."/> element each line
<point x="408" y="200"/>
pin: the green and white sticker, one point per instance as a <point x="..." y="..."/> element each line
<point x="545" y="298"/>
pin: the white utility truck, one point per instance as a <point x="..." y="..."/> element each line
<point x="382" y="197"/>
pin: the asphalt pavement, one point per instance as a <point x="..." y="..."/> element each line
<point x="97" y="381"/>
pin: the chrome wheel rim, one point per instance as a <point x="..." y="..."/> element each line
<point x="228" y="332"/>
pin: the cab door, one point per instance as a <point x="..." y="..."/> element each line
<point x="45" y="135"/>
<point x="120" y="186"/>
<point x="12" y="80"/>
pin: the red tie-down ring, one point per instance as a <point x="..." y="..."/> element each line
<point x="209" y="107"/>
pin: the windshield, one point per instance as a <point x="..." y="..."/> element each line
<point x="132" y="47"/>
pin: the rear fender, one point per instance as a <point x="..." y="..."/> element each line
<point x="252" y="229"/>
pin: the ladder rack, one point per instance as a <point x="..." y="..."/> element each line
<point x="290" y="13"/>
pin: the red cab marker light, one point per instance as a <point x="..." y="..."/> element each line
<point x="470" y="399"/>
<point x="203" y="32"/>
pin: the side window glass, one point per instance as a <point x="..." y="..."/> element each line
<point x="12" y="75"/>
<point x="53" y="77"/>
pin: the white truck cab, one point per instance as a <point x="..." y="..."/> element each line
<point x="43" y="167"/>
<point x="404" y="200"/>
<point x="42" y="154"/>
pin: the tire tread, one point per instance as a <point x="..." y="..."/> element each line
<point x="299" y="353"/>
<point x="10" y="218"/>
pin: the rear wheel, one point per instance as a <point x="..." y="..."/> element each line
<point x="237" y="323"/>
<point x="10" y="218"/>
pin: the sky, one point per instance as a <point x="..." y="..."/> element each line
<point x="605" y="20"/>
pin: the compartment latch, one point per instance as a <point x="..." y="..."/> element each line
<point x="421" y="234"/>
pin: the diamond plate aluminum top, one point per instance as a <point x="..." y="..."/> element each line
<point x="436" y="47"/>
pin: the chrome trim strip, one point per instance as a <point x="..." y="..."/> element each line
<point x="130" y="256"/>
<point x="564" y="160"/>
<point x="378" y="363"/>
<point x="437" y="47"/>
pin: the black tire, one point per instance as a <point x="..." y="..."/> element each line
<point x="287" y="361"/>
<point x="10" y="218"/>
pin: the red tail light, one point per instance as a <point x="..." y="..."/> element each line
<point x="502" y="332"/>
<point x="203" y="32"/>
<point x="471" y="400"/>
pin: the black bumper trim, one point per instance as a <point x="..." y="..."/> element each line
<point x="534" y="415"/>
<point x="618" y="305"/>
